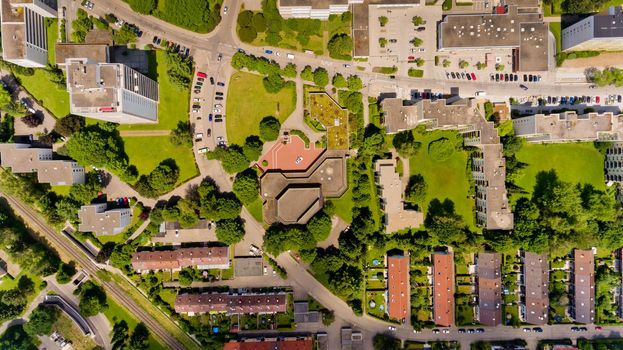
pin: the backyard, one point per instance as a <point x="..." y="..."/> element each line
<point x="50" y="95"/>
<point x="445" y="179"/>
<point x="573" y="162"/>
<point x="159" y="148"/>
<point x="332" y="116"/>
<point x="248" y="103"/>
<point x="375" y="304"/>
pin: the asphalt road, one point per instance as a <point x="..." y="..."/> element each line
<point x="56" y="239"/>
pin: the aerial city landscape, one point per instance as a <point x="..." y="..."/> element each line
<point x="311" y="174"/>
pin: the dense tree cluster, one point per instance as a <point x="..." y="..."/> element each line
<point x="65" y="272"/>
<point x="122" y="339"/>
<point x="70" y="124"/>
<point x="124" y="35"/>
<point x="405" y="144"/>
<point x="179" y="69"/>
<point x="261" y="65"/>
<point x="81" y="26"/>
<point x="182" y="135"/>
<point x="232" y="158"/>
<point x="160" y="180"/>
<point x="607" y="76"/>
<point x="415" y="193"/>
<point x="200" y="16"/>
<point x="340" y="47"/>
<point x="252" y="148"/>
<point x="41" y="320"/>
<point x="92" y="299"/>
<point x="15" y="338"/>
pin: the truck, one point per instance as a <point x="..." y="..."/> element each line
<point x="290" y="56"/>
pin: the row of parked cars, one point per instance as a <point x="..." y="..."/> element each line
<point x="533" y="330"/>
<point x="573" y="100"/>
<point x="461" y="75"/>
<point x="182" y="50"/>
<point x="509" y="77"/>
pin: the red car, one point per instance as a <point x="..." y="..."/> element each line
<point x="411" y="58"/>
<point x="597" y="99"/>
<point x="473" y="76"/>
<point x="202" y="75"/>
<point x="599" y="329"/>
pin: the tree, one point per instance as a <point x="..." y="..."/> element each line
<point x="67" y="209"/>
<point x="179" y="69"/>
<point x="14" y="297"/>
<point x="232" y="158"/>
<point x="33" y="120"/>
<point x="354" y="83"/>
<point x="273" y="83"/>
<point x="320" y="226"/>
<point x="269" y="128"/>
<point x="385" y="342"/>
<point x="5" y="97"/>
<point x="416" y="189"/>
<point x="104" y="253"/>
<point x="92" y="299"/>
<point x="15" y="338"/>
<point x="228" y="206"/>
<point x="119" y="335"/>
<point x="252" y="148"/>
<point x="247" y="34"/>
<point x="164" y="177"/>
<point x="126" y="34"/>
<point x="382" y="42"/>
<point x="85" y="193"/>
<point x="247" y="186"/>
<point x="65" y="272"/>
<point x="186" y="276"/>
<point x="440" y="149"/>
<point x="383" y="21"/>
<point x="340" y="47"/>
<point x="41" y="320"/>
<point x="182" y="135"/>
<point x="139" y="340"/>
<point x="259" y="22"/>
<point x="338" y="81"/>
<point x="229" y="231"/>
<point x="282" y="238"/>
<point x="417" y="21"/>
<point x="417" y="42"/>
<point x="307" y="73"/>
<point x="463" y="64"/>
<point x="321" y="77"/>
<point x="143" y="6"/>
<point x="70" y="124"/>
<point x="405" y="144"/>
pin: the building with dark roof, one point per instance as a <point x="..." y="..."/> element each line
<point x="583" y="286"/>
<point x="281" y="343"/>
<point x="443" y="289"/>
<point x="203" y="258"/>
<point x="534" y="283"/>
<point x="513" y="27"/>
<point x="398" y="292"/>
<point x="231" y="304"/>
<point x="489" y="283"/>
<point x="600" y="32"/>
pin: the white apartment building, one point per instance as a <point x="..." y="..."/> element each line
<point x="112" y="92"/>
<point x="600" y="32"/>
<point x="24" y="35"/>
<point x="316" y="9"/>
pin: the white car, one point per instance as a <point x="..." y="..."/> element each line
<point x="196" y="99"/>
<point x="216" y="110"/>
<point x="195" y="111"/>
<point x="445" y="331"/>
<point x="391" y="328"/>
<point x="225" y="10"/>
<point x="203" y="150"/>
<point x="218" y="105"/>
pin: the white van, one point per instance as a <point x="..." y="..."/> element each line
<point x="290" y="56"/>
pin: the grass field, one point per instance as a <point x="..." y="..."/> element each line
<point x="255" y="209"/>
<point x="573" y="162"/>
<point x="344" y="205"/>
<point x="555" y="28"/>
<point x="173" y="106"/>
<point x="51" y="96"/>
<point x="444" y="179"/>
<point x="52" y="29"/>
<point x="248" y="103"/>
<point x="147" y="152"/>
<point x="62" y="190"/>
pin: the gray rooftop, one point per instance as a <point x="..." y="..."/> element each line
<point x="609" y="23"/>
<point x="248" y="266"/>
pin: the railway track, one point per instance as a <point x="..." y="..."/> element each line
<point x="91" y="268"/>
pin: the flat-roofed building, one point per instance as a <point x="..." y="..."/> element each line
<point x="583" y="286"/>
<point x="523" y="31"/>
<point x="488" y="164"/>
<point x="489" y="283"/>
<point x="231" y="304"/>
<point x="21" y="158"/>
<point x="396" y="217"/>
<point x="24" y="31"/>
<point x="600" y="32"/>
<point x="534" y="283"/>
<point x="569" y="126"/>
<point x="203" y="258"/>
<point x="614" y="162"/>
<point x="398" y="291"/>
<point x="66" y="53"/>
<point x="317" y="9"/>
<point x="170" y="232"/>
<point x="443" y="289"/>
<point x="111" y="92"/>
<point x="98" y="219"/>
<point x="281" y="343"/>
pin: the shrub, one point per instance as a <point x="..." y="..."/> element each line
<point x="33" y="120"/>
<point x="415" y="73"/>
<point x="416" y="189"/>
<point x="269" y="128"/>
<point x="246" y="186"/>
<point x="440" y="149"/>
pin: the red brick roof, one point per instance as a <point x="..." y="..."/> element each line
<point x="231" y="303"/>
<point x="443" y="289"/>
<point x="179" y="258"/>
<point x="293" y="344"/>
<point x="284" y="155"/>
<point x="398" y="291"/>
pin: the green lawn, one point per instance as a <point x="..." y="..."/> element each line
<point x="123" y="236"/>
<point x="52" y="29"/>
<point x="168" y="295"/>
<point x="147" y="152"/>
<point x="552" y="9"/>
<point x="51" y="96"/>
<point x="379" y="301"/>
<point x="555" y="28"/>
<point x="248" y="103"/>
<point x="173" y="106"/>
<point x="115" y="313"/>
<point x="62" y="190"/>
<point x="573" y="162"/>
<point x="444" y="179"/>
<point x="255" y="209"/>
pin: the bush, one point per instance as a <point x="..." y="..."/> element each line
<point x="33" y="120"/>
<point x="230" y="231"/>
<point x="246" y="186"/>
<point x="232" y="158"/>
<point x="65" y="273"/>
<point x="41" y="320"/>
<point x="338" y="81"/>
<point x="383" y="20"/>
<point x="247" y="34"/>
<point x="269" y="128"/>
<point x="415" y="73"/>
<point x="142" y="6"/>
<point x="440" y="149"/>
<point x="252" y="148"/>
<point x="417" y="42"/>
<point x="182" y="135"/>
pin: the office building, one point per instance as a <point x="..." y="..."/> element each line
<point x="600" y="32"/>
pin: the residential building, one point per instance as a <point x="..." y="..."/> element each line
<point x="294" y="192"/>
<point x="111" y="92"/>
<point x="614" y="162"/>
<point x="21" y="158"/>
<point x="231" y="304"/>
<point x="170" y="232"/>
<point x="443" y="289"/>
<point x="202" y="258"/>
<point x="582" y="307"/>
<point x="395" y="217"/>
<point x="302" y="314"/>
<point x="24" y="31"/>
<point x="398" y="291"/>
<point x="281" y="343"/>
<point x="569" y="126"/>
<point x="600" y="32"/>
<point x="351" y="339"/>
<point x="97" y="218"/>
<point x="488" y="164"/>
<point x="489" y="284"/>
<point x="518" y="29"/>
<point x="66" y="53"/>
<point x="534" y="283"/>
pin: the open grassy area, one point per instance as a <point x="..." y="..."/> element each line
<point x="379" y="310"/>
<point x="573" y="162"/>
<point x="62" y="190"/>
<point x="444" y="179"/>
<point x="555" y="28"/>
<point x="332" y="116"/>
<point x="168" y="295"/>
<point x="147" y="152"/>
<point x="52" y="29"/>
<point x="173" y="106"/>
<point x="115" y="313"/>
<point x="50" y="95"/>
<point x="70" y="331"/>
<point x="248" y="103"/>
<point x="255" y="209"/>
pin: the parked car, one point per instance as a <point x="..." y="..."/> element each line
<point x="212" y="80"/>
<point x="219" y="57"/>
<point x="219" y="98"/>
<point x="523" y="87"/>
<point x="268" y="52"/>
<point x="209" y="132"/>
<point x="220" y="83"/>
<point x="473" y="76"/>
<point x="218" y="93"/>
